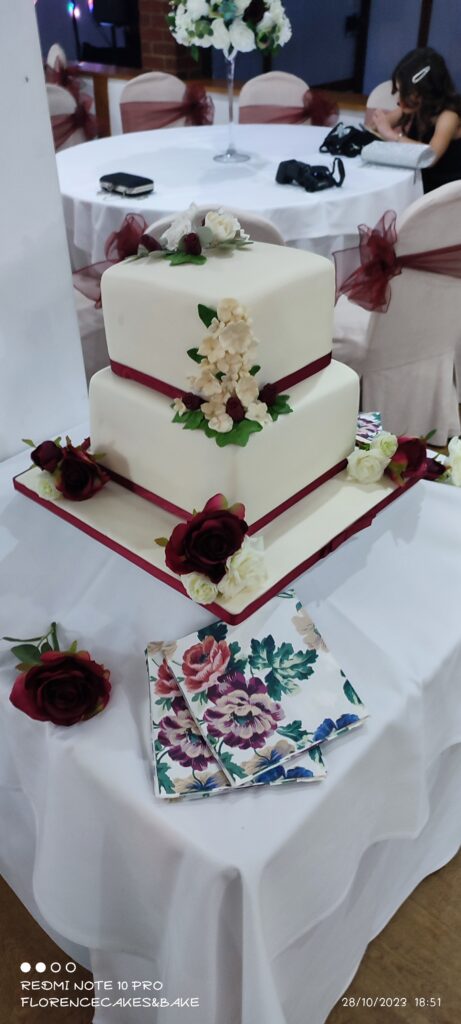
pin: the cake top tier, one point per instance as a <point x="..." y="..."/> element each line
<point x="151" y="317"/>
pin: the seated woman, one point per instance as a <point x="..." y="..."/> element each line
<point x="429" y="111"/>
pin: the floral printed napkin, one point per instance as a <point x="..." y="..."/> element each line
<point x="269" y="679"/>
<point x="184" y="764"/>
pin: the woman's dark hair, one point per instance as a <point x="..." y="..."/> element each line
<point x="433" y="87"/>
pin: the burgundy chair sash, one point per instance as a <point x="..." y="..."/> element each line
<point x="141" y="115"/>
<point x="59" y="75"/>
<point x="119" y="245"/>
<point x="364" y="272"/>
<point x="64" y="125"/>
<point x="316" y="109"/>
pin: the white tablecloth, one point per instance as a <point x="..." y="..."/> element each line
<point x="180" y="160"/>
<point x="261" y="904"/>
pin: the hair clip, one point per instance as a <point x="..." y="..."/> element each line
<point x="421" y="74"/>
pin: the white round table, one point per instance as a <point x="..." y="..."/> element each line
<point x="180" y="160"/>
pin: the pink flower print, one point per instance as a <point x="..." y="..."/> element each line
<point x="204" y="663"/>
<point x="245" y="716"/>
<point x="166" y="685"/>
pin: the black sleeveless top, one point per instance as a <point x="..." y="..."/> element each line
<point x="448" y="168"/>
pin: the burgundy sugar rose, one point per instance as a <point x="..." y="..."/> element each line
<point x="206" y="542"/>
<point x="409" y="460"/>
<point x="191" y="244"/>
<point x="268" y="394"/>
<point x="235" y="409"/>
<point x="204" y="663"/>
<point x="79" y="476"/>
<point x="191" y="401"/>
<point x="150" y="243"/>
<point x="47" y="456"/>
<point x="64" y="688"/>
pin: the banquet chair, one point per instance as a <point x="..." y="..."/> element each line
<point x="262" y="98"/>
<point x="406" y="356"/>
<point x="382" y="98"/>
<point x="56" y="55"/>
<point x="258" y="228"/>
<point x="62" y="105"/>
<point x="157" y="100"/>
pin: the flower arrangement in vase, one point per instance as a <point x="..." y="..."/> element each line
<point x="233" y="26"/>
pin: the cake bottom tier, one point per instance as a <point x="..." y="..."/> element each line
<point x="181" y="469"/>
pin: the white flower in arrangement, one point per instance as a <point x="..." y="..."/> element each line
<point x="247" y="389"/>
<point x="222" y="423"/>
<point x="178" y="405"/>
<point x="198" y="8"/>
<point x="47" y="488"/>
<point x="241" y="36"/>
<point x="224" y="226"/>
<point x="220" y="36"/>
<point x="231" y="365"/>
<point x="257" y="412"/>
<point x="454" y="460"/>
<point x="215" y="407"/>
<point x="246" y="569"/>
<point x="206" y="383"/>
<point x="237" y="336"/>
<point x="212" y="347"/>
<point x="385" y="443"/>
<point x="180" y="226"/>
<point x="366" y="465"/>
<point x="230" y="309"/>
<point x="199" y="587"/>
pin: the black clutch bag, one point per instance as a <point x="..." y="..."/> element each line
<point x="346" y="140"/>
<point x="313" y="178"/>
<point x="126" y="184"/>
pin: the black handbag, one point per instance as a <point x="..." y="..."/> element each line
<point x="346" y="140"/>
<point x="311" y="178"/>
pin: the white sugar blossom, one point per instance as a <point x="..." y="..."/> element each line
<point x="237" y="336"/>
<point x="257" y="412"/>
<point x="385" y="443"/>
<point x="247" y="389"/>
<point x="367" y="467"/>
<point x="246" y="569"/>
<point x="178" y="405"/>
<point x="230" y="309"/>
<point x="223" y="225"/>
<point x="222" y="423"/>
<point x="180" y="226"/>
<point x="47" y="488"/>
<point x="242" y="36"/>
<point x="212" y="347"/>
<point x="215" y="407"/>
<point x="454" y="460"/>
<point x="206" y="383"/>
<point x="231" y="365"/>
<point x="199" y="587"/>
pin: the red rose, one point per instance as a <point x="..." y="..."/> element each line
<point x="79" y="476"/>
<point x="204" y="663"/>
<point x="47" y="456"/>
<point x="64" y="688"/>
<point x="434" y="469"/>
<point x="206" y="542"/>
<point x="191" y="244"/>
<point x="409" y="460"/>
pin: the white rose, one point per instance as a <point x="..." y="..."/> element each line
<point x="247" y="390"/>
<point x="246" y="569"/>
<point x="199" y="587"/>
<point x="285" y="32"/>
<point x="241" y="36"/>
<point x="223" y="225"/>
<point x="454" y="460"/>
<point x="47" y="488"/>
<point x="267" y="22"/>
<point x="222" y="423"/>
<point x="220" y="37"/>
<point x="385" y="443"/>
<point x="257" y="411"/>
<point x="367" y="467"/>
<point x="230" y="309"/>
<point x="198" y="9"/>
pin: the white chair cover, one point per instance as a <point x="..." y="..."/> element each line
<point x="382" y="96"/>
<point x="406" y="356"/>
<point x="276" y="88"/>
<point x="56" y="54"/>
<point x="258" y="228"/>
<point x="155" y="85"/>
<point x="61" y="101"/>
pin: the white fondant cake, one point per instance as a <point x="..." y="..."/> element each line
<point x="150" y="308"/>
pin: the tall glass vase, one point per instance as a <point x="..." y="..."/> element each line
<point x="231" y="154"/>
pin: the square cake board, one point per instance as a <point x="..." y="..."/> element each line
<point x="293" y="542"/>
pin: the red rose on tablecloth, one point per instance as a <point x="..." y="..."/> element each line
<point x="63" y="688"/>
<point x="204" y="663"/>
<point x="206" y="542"/>
<point x="47" y="456"/>
<point x="409" y="460"/>
<point x="78" y="475"/>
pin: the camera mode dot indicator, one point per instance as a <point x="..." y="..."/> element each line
<point x="25" y="967"/>
<point x="40" y="967"/>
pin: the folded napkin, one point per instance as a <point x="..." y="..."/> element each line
<point x="257" y="694"/>
<point x="399" y="154"/>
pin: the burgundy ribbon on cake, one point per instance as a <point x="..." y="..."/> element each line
<point x="64" y="125"/>
<point x="316" y="108"/>
<point x="364" y="272"/>
<point x="60" y="75"/>
<point x="119" y="245"/>
<point x="141" y="115"/>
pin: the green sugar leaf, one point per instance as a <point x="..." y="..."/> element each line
<point x="207" y="314"/>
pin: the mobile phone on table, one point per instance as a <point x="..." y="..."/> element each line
<point x="126" y="184"/>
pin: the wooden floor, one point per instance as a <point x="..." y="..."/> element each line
<point x="418" y="955"/>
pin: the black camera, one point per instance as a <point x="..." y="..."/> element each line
<point x="311" y="178"/>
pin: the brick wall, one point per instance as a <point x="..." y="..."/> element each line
<point x="159" y="50"/>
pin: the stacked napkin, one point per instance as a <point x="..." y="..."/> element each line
<point x="233" y="707"/>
